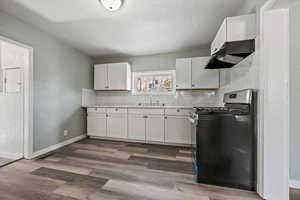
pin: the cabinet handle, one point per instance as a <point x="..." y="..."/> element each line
<point x="193" y="85"/>
<point x="145" y="116"/>
<point x="166" y="117"/>
<point x="177" y="85"/>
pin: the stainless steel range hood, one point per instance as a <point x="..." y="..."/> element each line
<point x="231" y="54"/>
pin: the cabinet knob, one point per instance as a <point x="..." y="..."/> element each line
<point x="145" y="116"/>
<point x="116" y="109"/>
<point x="177" y="85"/>
<point x="166" y="117"/>
<point x="178" y="110"/>
<point x="193" y="85"/>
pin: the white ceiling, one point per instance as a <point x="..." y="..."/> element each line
<point x="141" y="27"/>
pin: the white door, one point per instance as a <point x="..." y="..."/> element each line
<point x="136" y="127"/>
<point x="155" y="128"/>
<point x="183" y="73"/>
<point x="177" y="130"/>
<point x="12" y="100"/>
<point x="117" y="125"/>
<point x="96" y="124"/>
<point x="204" y="78"/>
<point x="100" y="77"/>
<point x="117" y="76"/>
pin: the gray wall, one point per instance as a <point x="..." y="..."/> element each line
<point x="155" y="63"/>
<point x="295" y="91"/>
<point x="59" y="74"/>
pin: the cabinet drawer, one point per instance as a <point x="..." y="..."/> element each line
<point x="137" y="111"/>
<point x="154" y="111"/>
<point x="96" y="110"/>
<point x="117" y="110"/>
<point x="178" y="111"/>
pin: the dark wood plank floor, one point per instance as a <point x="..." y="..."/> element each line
<point x="294" y="194"/>
<point x="104" y="170"/>
<point x="5" y="161"/>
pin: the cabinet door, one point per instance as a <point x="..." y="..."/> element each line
<point x="117" y="125"/>
<point x="220" y="38"/>
<point x="177" y="130"/>
<point x="96" y="124"/>
<point x="183" y="73"/>
<point x="136" y="127"/>
<point x="241" y="27"/>
<point x="13" y="80"/>
<point x="117" y="76"/>
<point x="100" y="77"/>
<point x="155" y="128"/>
<point x="203" y="78"/>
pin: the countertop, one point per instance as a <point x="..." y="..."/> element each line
<point x="140" y="106"/>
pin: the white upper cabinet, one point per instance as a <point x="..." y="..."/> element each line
<point x="201" y="77"/>
<point x="100" y="77"/>
<point x="235" y="29"/>
<point x="191" y="74"/>
<point x="114" y="76"/>
<point x="183" y="73"/>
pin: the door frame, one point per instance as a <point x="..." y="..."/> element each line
<point x="266" y="146"/>
<point x="27" y="100"/>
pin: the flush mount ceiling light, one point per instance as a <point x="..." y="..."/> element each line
<point x="112" y="5"/>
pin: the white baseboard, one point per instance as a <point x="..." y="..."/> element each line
<point x="295" y="184"/>
<point x="12" y="156"/>
<point x="56" y="146"/>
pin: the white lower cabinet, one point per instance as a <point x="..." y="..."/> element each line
<point x="177" y="130"/>
<point x="117" y="125"/>
<point x="96" y="124"/>
<point x="155" y="128"/>
<point x="149" y="125"/>
<point x="136" y="127"/>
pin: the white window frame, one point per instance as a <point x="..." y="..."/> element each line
<point x="154" y="73"/>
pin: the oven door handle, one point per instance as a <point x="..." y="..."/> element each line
<point x="192" y="120"/>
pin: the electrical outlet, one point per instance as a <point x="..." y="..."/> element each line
<point x="66" y="132"/>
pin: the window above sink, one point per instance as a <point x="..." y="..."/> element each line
<point x="154" y="83"/>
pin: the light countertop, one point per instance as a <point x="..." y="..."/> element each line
<point x="141" y="106"/>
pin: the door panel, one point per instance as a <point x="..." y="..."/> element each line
<point x="117" y="125"/>
<point x="100" y="77"/>
<point x="117" y="76"/>
<point x="155" y="128"/>
<point x="177" y="130"/>
<point x="136" y="127"/>
<point x="13" y="78"/>
<point x="96" y="124"/>
<point x="183" y="73"/>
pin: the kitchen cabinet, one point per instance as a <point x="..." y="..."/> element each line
<point x="191" y="74"/>
<point x="117" y="123"/>
<point x="146" y="124"/>
<point x="136" y="127"/>
<point x="177" y="130"/>
<point x="100" y="77"/>
<point x="155" y="128"/>
<point x="234" y="29"/>
<point x="96" y="124"/>
<point x="141" y="124"/>
<point x="183" y="73"/>
<point x="113" y="76"/>
<point x="201" y="77"/>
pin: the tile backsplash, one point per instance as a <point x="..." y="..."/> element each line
<point x="183" y="98"/>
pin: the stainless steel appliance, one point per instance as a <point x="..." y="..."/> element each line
<point x="224" y="142"/>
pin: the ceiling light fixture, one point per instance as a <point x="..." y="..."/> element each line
<point x="112" y="5"/>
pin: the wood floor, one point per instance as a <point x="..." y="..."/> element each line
<point x="103" y="170"/>
<point x="294" y="194"/>
<point x="5" y="161"/>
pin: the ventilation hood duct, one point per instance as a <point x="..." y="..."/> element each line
<point x="231" y="54"/>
